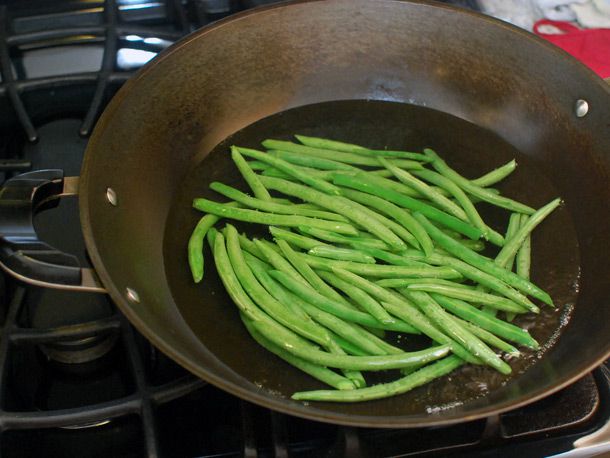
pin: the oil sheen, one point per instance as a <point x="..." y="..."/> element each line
<point x="469" y="149"/>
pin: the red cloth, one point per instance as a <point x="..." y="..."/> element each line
<point x="590" y="46"/>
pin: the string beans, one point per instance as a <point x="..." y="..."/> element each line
<point x="386" y="242"/>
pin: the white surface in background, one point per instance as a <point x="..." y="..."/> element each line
<point x="56" y="60"/>
<point x="62" y="60"/>
<point x="129" y="58"/>
<point x="593" y="14"/>
<point x="522" y="13"/>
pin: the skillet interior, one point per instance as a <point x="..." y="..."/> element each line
<point x="166" y="121"/>
<point x="464" y="145"/>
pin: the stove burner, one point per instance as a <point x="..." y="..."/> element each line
<point x="94" y="424"/>
<point x="65" y="312"/>
<point x="79" y="351"/>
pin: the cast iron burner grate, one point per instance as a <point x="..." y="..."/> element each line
<point x="128" y="400"/>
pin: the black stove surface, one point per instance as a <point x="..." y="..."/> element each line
<point x="75" y="378"/>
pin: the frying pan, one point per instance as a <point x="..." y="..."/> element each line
<point x="383" y="73"/>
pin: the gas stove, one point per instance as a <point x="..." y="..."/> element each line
<point x="75" y="378"/>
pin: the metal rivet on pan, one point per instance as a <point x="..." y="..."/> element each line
<point x="581" y="108"/>
<point x="132" y="295"/>
<point x="112" y="197"/>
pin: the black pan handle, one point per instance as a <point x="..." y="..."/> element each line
<point x="22" y="254"/>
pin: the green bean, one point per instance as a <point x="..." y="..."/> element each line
<point x="512" y="245"/>
<point x="273" y="172"/>
<point x="212" y="238"/>
<point x="401" y="216"/>
<point x="496" y="175"/>
<point x="250" y="247"/>
<point x="392" y="258"/>
<point x="234" y="288"/>
<point x="272" y="207"/>
<point x="524" y="256"/>
<point x="318" y="372"/>
<point x="342" y="254"/>
<point x="403" y="309"/>
<point x="240" y="298"/>
<point x="470" y="295"/>
<point x="426" y="327"/>
<point x="307" y="205"/>
<point x="291" y="170"/>
<point x="298" y="346"/>
<point x="313" y="162"/>
<point x="271" y="219"/>
<point x="307" y="272"/>
<point x="325" y="175"/>
<point x="446" y="322"/>
<point x="277" y="260"/>
<point x="348" y="158"/>
<point x="399" y="229"/>
<point x="513" y="226"/>
<point x="268" y="303"/>
<point x="310" y="295"/>
<point x="450" y="233"/>
<point x="384" y="390"/>
<point x="257" y="265"/>
<point x="384" y="173"/>
<point x="487" y="337"/>
<point x="369" y="363"/>
<point x="425" y="190"/>
<point x="382" y="178"/>
<point x="281" y="200"/>
<point x="354" y="376"/>
<point x="195" y="243"/>
<point x="326" y="319"/>
<point x="474" y="245"/>
<point x="401" y="154"/>
<point x="249" y="176"/>
<point x="490" y="281"/>
<point x="380" y="270"/>
<point x="492" y="324"/>
<point x="338" y="238"/>
<point x="258" y="165"/>
<point x="405" y="282"/>
<point x="469" y="208"/>
<point x="323" y="143"/>
<point x="375" y="335"/>
<point x="297" y="240"/>
<point x="392" y="225"/>
<point x="360" y="297"/>
<point x="348" y="347"/>
<point x="338" y="204"/>
<point x="369" y="335"/>
<point x="361" y="182"/>
<point x="482" y="193"/>
<point x="385" y="346"/>
<point x="484" y="264"/>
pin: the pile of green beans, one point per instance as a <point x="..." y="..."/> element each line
<point x="364" y="241"/>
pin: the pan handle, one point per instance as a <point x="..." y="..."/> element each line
<point x="22" y="254"/>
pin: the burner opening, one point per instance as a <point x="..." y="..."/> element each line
<point x="123" y="436"/>
<point x="35" y="382"/>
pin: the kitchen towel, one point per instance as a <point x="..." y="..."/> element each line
<point x="590" y="46"/>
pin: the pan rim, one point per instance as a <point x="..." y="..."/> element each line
<point x="284" y="405"/>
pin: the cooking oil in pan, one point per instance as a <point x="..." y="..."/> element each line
<point x="471" y="150"/>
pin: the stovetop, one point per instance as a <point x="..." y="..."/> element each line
<point x="75" y="378"/>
